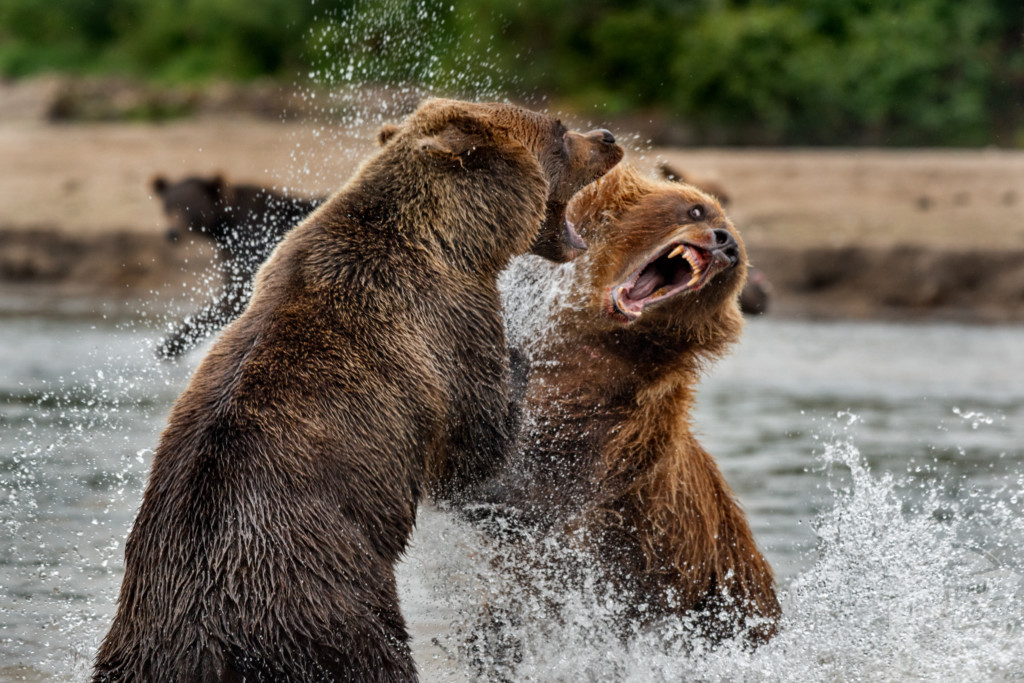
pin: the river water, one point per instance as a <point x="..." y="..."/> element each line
<point x="880" y="465"/>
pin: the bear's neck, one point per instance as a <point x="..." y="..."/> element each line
<point x="607" y="376"/>
<point x="625" y="360"/>
<point x="610" y="375"/>
<point x="445" y="213"/>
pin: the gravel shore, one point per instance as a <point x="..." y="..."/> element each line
<point x="839" y="233"/>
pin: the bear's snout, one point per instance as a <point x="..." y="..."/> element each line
<point x="726" y="244"/>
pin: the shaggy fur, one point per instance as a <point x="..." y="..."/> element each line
<point x="609" y="454"/>
<point x="582" y="155"/>
<point x="245" y="222"/>
<point x="370" y="367"/>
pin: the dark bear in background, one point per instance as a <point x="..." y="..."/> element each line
<point x="608" y="460"/>
<point x="370" y="367"/>
<point x="245" y="222"/>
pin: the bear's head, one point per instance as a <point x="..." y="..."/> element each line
<point x="663" y="255"/>
<point x="569" y="160"/>
<point x="707" y="185"/>
<point x="194" y="205"/>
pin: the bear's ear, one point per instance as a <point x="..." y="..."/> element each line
<point x="453" y="142"/>
<point x="159" y="184"/>
<point x="671" y="173"/>
<point x="386" y="132"/>
<point x="610" y="197"/>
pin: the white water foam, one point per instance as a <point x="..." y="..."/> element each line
<point x="896" y="591"/>
<point x="911" y="578"/>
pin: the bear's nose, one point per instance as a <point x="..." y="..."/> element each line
<point x="606" y="136"/>
<point x="726" y="243"/>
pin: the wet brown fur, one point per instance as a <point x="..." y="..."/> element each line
<point x="610" y="449"/>
<point x="370" y="367"/>
<point x="583" y="157"/>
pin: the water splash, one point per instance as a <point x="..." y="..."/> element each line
<point x="76" y="428"/>
<point x="896" y="590"/>
<point x="372" y="63"/>
<point x="906" y="590"/>
<point x="975" y="418"/>
<point x="533" y="290"/>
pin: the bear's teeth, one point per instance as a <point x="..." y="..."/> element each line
<point x="677" y="251"/>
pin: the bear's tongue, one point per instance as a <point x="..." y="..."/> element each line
<point x="572" y="237"/>
<point x="645" y="284"/>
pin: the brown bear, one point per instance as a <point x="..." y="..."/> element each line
<point x="245" y="222"/>
<point x="557" y="239"/>
<point x="608" y="454"/>
<point x="370" y="367"/>
<point x="757" y="292"/>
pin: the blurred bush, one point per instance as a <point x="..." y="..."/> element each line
<point x="780" y="71"/>
<point x="170" y="40"/>
<point x="937" y="72"/>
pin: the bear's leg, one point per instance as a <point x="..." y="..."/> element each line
<point x="481" y="436"/>
<point x="208" y="320"/>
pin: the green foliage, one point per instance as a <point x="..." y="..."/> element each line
<point x="611" y="53"/>
<point x="801" y="71"/>
<point x="762" y="71"/>
<point x="794" y="71"/>
<point x="176" y="40"/>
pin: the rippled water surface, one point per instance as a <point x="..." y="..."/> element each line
<point x="880" y="465"/>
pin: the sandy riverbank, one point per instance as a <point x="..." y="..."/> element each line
<point x="839" y="233"/>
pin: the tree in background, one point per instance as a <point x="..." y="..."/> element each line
<point x="732" y="71"/>
<point x="170" y="40"/>
<point x="775" y="71"/>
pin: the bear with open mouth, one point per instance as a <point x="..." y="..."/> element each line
<point x="608" y="458"/>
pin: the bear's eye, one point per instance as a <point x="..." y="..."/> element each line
<point x="696" y="212"/>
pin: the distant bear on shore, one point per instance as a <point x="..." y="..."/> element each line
<point x="245" y="222"/>
<point x="370" y="367"/>
<point x="608" y="458"/>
